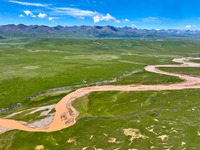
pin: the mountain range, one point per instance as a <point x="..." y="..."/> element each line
<point x="91" y="32"/>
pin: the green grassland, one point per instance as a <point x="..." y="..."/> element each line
<point x="29" y="66"/>
<point x="191" y="71"/>
<point x="179" y="127"/>
<point x="146" y="78"/>
<point x="196" y="61"/>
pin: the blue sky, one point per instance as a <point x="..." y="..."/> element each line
<point x="149" y="14"/>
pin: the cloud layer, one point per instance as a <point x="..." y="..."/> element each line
<point x="74" y="12"/>
<point x="29" y="4"/>
<point x="151" y="19"/>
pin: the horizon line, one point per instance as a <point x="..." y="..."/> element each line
<point x="99" y="26"/>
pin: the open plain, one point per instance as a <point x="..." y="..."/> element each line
<point x="144" y="103"/>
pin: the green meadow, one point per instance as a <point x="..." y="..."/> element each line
<point x="196" y="61"/>
<point x="29" y="67"/>
<point x="191" y="71"/>
<point x="167" y="119"/>
<point x="108" y="120"/>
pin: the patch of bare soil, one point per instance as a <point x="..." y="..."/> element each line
<point x="39" y="147"/>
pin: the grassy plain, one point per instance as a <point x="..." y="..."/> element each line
<point x="28" y="67"/>
<point x="177" y="127"/>
<point x="196" y="61"/>
<point x="191" y="71"/>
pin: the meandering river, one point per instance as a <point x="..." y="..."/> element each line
<point x="66" y="114"/>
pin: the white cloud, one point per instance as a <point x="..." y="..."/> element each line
<point x="126" y="20"/>
<point x="151" y="19"/>
<point x="81" y="14"/>
<point x="50" y="18"/>
<point x="118" y="21"/>
<point x="29" y="13"/>
<point x="188" y="26"/>
<point x="42" y="16"/>
<point x="107" y="17"/>
<point x="96" y="19"/>
<point x="133" y="25"/>
<point x="53" y="18"/>
<point x="28" y="4"/>
<point x="21" y="16"/>
<point x="75" y="12"/>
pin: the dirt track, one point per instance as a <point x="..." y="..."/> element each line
<point x="63" y="119"/>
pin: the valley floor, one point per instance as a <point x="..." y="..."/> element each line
<point x="134" y="116"/>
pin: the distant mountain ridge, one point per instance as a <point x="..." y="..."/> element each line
<point x="92" y="31"/>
